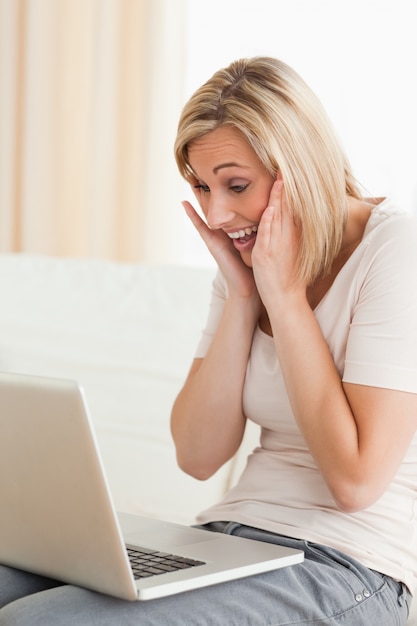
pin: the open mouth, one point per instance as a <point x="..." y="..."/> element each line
<point x="245" y="234"/>
<point x="244" y="240"/>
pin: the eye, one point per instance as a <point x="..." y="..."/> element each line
<point x="239" y="188"/>
<point x="203" y="188"/>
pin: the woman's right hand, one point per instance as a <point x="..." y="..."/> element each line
<point x="239" y="277"/>
<point x="210" y="401"/>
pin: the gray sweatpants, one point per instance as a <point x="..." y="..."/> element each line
<point x="328" y="588"/>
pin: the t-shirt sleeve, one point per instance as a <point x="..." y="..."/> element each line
<point x="381" y="349"/>
<point x="218" y="297"/>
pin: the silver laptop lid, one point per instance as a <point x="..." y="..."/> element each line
<point x="41" y="530"/>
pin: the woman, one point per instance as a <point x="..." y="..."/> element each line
<point x="312" y="334"/>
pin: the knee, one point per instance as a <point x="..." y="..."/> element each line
<point x="8" y="618"/>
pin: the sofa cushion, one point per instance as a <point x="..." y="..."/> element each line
<point x="127" y="333"/>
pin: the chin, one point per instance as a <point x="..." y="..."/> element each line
<point x="246" y="258"/>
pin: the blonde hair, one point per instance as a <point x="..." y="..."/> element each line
<point x="287" y="127"/>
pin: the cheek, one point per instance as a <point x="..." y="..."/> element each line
<point x="259" y="201"/>
<point x="259" y="207"/>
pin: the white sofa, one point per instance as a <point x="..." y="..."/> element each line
<point x="127" y="333"/>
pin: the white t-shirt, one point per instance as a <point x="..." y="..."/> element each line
<point x="369" y="320"/>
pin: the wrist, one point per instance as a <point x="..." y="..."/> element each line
<point x="284" y="303"/>
<point x="247" y="308"/>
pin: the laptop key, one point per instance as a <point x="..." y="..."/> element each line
<point x="146" y="562"/>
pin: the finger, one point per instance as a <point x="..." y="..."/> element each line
<point x="263" y="236"/>
<point x="276" y="196"/>
<point x="190" y="210"/>
<point x="271" y="214"/>
<point x="199" y="223"/>
<point x="214" y="239"/>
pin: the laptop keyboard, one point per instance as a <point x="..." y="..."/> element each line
<point x="145" y="562"/>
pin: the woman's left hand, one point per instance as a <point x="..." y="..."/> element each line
<point x="276" y="250"/>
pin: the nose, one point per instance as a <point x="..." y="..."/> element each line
<point x="219" y="213"/>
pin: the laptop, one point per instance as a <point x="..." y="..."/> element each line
<point x="57" y="517"/>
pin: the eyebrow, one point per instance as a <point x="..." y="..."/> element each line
<point x="231" y="164"/>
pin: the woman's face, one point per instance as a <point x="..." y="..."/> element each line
<point x="231" y="185"/>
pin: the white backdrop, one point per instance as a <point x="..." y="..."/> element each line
<point x="360" y="57"/>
